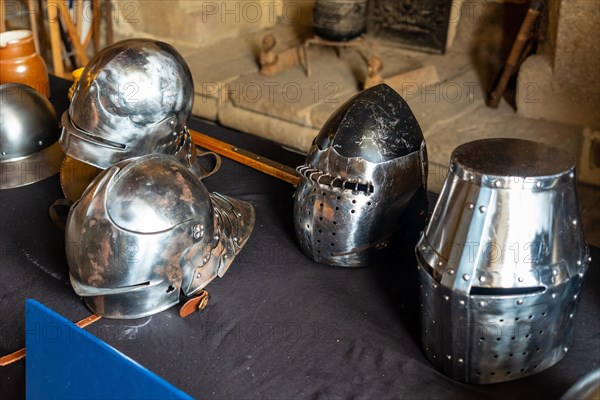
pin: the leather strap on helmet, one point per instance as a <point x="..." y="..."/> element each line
<point x="194" y="304"/>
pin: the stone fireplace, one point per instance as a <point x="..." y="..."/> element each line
<point x="556" y="91"/>
<point x="445" y="75"/>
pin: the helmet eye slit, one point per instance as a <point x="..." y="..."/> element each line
<point x="487" y="291"/>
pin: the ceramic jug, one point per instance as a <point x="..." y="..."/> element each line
<point x="20" y="63"/>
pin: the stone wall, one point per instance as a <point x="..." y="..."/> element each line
<point x="200" y="23"/>
<point x="561" y="82"/>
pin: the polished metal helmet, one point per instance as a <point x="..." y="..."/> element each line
<point x="29" y="150"/>
<point x="133" y="98"/>
<point x="363" y="169"/>
<point x="146" y="229"/>
<point x="501" y="262"/>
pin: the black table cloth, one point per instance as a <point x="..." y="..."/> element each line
<point x="278" y="325"/>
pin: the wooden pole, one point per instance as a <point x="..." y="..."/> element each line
<point x="33" y="22"/>
<point x="19" y="354"/>
<point x="515" y="53"/>
<point x="79" y="17"/>
<point x="72" y="31"/>
<point x="262" y="164"/>
<point x="109" y="26"/>
<point x="55" y="43"/>
<point x="2" y="16"/>
<point x="96" y="24"/>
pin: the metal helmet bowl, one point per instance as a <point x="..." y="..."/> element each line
<point x="363" y="169"/>
<point x="146" y="229"/>
<point x="29" y="131"/>
<point x="133" y="98"/>
<point x="501" y="262"/>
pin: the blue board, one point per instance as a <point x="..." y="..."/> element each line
<point x="64" y="361"/>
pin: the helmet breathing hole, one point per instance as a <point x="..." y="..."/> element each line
<point x="170" y="288"/>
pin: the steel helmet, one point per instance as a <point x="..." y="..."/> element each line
<point x="501" y="262"/>
<point x="146" y="229"/>
<point x="362" y="171"/>
<point x="29" y="131"/>
<point x="133" y="98"/>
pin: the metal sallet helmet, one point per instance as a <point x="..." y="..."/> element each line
<point x="133" y="98"/>
<point x="29" y="131"/>
<point x="363" y="169"/>
<point x="501" y="262"/>
<point x="147" y="228"/>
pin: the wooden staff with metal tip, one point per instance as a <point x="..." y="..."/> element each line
<point x="245" y="157"/>
<point x="20" y="354"/>
<point x="515" y="53"/>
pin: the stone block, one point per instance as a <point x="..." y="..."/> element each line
<point x="288" y="134"/>
<point x="562" y="82"/>
<point x="206" y="107"/>
<point x="292" y="95"/>
<point x="482" y="123"/>
<point x="446" y="101"/>
<point x="589" y="159"/>
<point x="194" y="22"/>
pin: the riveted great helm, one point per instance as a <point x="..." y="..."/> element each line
<point x="501" y="262"/>
<point x="133" y="98"/>
<point x="363" y="169"/>
<point x="29" y="131"/>
<point x="146" y="229"/>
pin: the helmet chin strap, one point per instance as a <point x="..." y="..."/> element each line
<point x="197" y="303"/>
